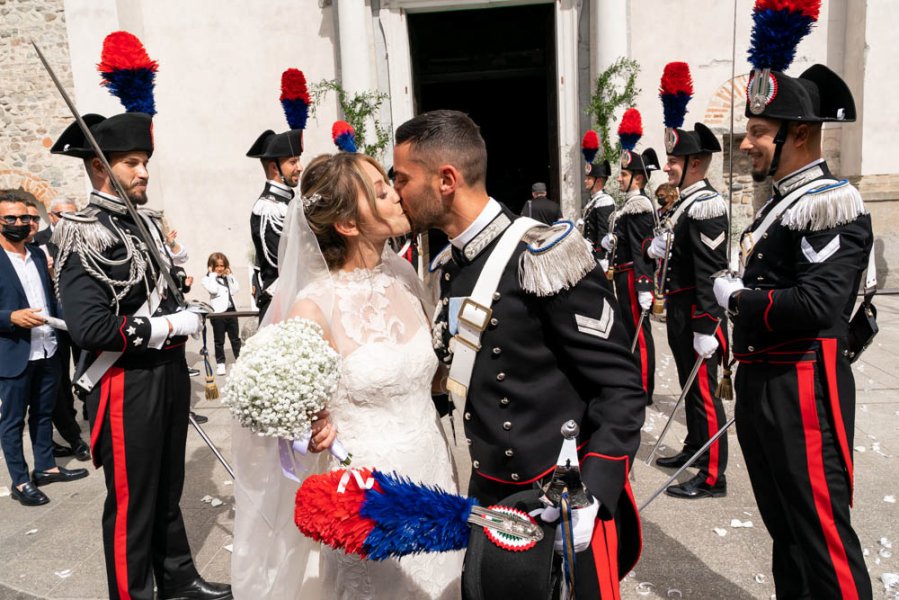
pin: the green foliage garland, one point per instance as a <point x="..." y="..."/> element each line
<point x="357" y="109"/>
<point x="615" y="88"/>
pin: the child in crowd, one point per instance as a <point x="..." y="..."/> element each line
<point x="222" y="286"/>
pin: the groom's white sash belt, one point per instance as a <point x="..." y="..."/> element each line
<point x="475" y="312"/>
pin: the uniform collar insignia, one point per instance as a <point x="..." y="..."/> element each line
<point x="702" y="183"/>
<point x="108" y="202"/>
<point x="278" y="191"/>
<point x="494" y="229"/>
<point x="808" y="173"/>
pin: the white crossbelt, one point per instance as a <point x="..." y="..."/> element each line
<point x="686" y="204"/>
<point x="475" y="312"/>
<point x="105" y="360"/>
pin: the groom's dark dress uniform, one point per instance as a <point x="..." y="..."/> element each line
<point x="548" y="356"/>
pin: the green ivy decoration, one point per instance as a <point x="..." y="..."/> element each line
<point x="357" y="109"/>
<point x="615" y="88"/>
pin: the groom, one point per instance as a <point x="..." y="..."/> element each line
<point x="551" y="345"/>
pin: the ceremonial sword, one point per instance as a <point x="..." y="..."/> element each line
<point x="150" y="245"/>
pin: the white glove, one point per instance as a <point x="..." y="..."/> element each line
<point x="704" y="345"/>
<point x="582" y="522"/>
<point x="604" y="263"/>
<point x="645" y="300"/>
<point x="658" y="247"/>
<point x="185" y="322"/>
<point x="725" y="287"/>
<point x="606" y="241"/>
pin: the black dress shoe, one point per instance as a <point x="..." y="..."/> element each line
<point x="82" y="451"/>
<point x="674" y="462"/>
<point x="193" y="372"/>
<point x="198" y="589"/>
<point x="200" y="419"/>
<point x="697" y="488"/>
<point x="60" y="451"/>
<point x="29" y="495"/>
<point x="45" y="477"/>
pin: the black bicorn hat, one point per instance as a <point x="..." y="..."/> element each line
<point x="645" y="163"/>
<point x="680" y="142"/>
<point x="493" y="572"/>
<point x="127" y="132"/>
<point x="129" y="74"/>
<point x="295" y="101"/>
<point x="599" y="170"/>
<point x="818" y="95"/>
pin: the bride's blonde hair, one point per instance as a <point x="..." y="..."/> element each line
<point x="337" y="179"/>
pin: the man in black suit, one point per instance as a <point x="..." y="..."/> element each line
<point x="29" y="361"/>
<point x="64" y="412"/>
<point x="540" y="207"/>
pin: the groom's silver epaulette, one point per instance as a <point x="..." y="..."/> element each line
<point x="82" y="230"/>
<point x="441" y="259"/>
<point x="556" y="258"/>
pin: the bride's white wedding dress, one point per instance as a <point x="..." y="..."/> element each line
<point x="386" y="419"/>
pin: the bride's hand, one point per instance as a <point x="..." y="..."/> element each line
<point x="323" y="432"/>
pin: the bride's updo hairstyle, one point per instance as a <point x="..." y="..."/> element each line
<point x="337" y="180"/>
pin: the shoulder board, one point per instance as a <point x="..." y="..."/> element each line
<point x="605" y="200"/>
<point x="636" y="205"/>
<point x="441" y="259"/>
<point x="556" y="258"/>
<point x="149" y="212"/>
<point x="707" y="206"/>
<point x="265" y="207"/>
<point x="82" y="228"/>
<point x="825" y="207"/>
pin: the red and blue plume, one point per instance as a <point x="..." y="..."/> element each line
<point x="676" y="90"/>
<point x="128" y="73"/>
<point x="631" y="129"/>
<point x="344" y="136"/>
<point x="378" y="515"/>
<point x="295" y="98"/>
<point x="590" y="145"/>
<point x="778" y="27"/>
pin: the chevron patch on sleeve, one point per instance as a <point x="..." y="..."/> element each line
<point x="601" y="327"/>
<point x="710" y="242"/>
<point x="824" y="253"/>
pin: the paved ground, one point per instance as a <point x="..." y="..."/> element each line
<point x="691" y="549"/>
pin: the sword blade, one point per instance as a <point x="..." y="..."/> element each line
<point x="683" y="394"/>
<point x="144" y="233"/>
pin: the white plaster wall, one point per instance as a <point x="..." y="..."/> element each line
<point x="217" y="89"/>
<point x="881" y="63"/>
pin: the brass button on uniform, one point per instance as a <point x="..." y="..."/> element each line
<point x="496" y="296"/>
<point x="515" y="477"/>
<point x="494" y="322"/>
<point x="446" y="276"/>
<point x="467" y="416"/>
<point x="504" y="401"/>
<point x="468" y="440"/>
<point x="507" y="425"/>
<point x="509" y="452"/>
<point x="751" y="348"/>
<point x="475" y="464"/>
<point x="500" y="376"/>
<point x="497" y="350"/>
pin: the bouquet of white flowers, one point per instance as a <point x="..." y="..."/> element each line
<point x="286" y="374"/>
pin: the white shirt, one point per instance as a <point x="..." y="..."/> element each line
<point x="487" y="215"/>
<point x="43" y="340"/>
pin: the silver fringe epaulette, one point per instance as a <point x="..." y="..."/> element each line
<point x="707" y="207"/>
<point x="636" y="205"/>
<point x="441" y="259"/>
<point x="82" y="227"/>
<point x="556" y="258"/>
<point x="265" y="207"/>
<point x="825" y="207"/>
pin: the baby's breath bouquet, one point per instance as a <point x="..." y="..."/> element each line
<point x="286" y="374"/>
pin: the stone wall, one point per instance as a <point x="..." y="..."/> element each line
<point x="31" y="111"/>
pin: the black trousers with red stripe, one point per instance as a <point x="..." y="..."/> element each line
<point x="792" y="430"/>
<point x="139" y="430"/>
<point x="596" y="568"/>
<point x="704" y="411"/>
<point x="645" y="350"/>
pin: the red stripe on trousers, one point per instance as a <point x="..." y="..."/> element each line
<point x="120" y="479"/>
<point x="711" y="419"/>
<point x="829" y="346"/>
<point x="101" y="415"/>
<point x="604" y="546"/>
<point x="641" y="342"/>
<point x="805" y="375"/>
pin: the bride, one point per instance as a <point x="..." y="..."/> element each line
<point x="369" y="304"/>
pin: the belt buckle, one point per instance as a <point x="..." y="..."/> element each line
<point x="485" y="310"/>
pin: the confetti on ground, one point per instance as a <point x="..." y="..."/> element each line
<point x="889" y="581"/>
<point x="675" y="593"/>
<point x="891" y="499"/>
<point x="207" y="499"/>
<point x="760" y="578"/>
<point x="886" y="543"/>
<point x="644" y="588"/>
<point x="63" y="574"/>
<point x="884" y="553"/>
<point x="4" y="491"/>
<point x="229" y="547"/>
<point x="31" y="532"/>
<point x="215" y="502"/>
<point x="227" y="482"/>
<point x="860" y="449"/>
<point x="721" y="532"/>
<point x="737" y="523"/>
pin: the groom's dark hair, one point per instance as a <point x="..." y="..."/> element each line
<point x="447" y="136"/>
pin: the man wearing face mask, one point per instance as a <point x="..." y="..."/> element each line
<point x="133" y="332"/>
<point x="279" y="154"/>
<point x="29" y="365"/>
